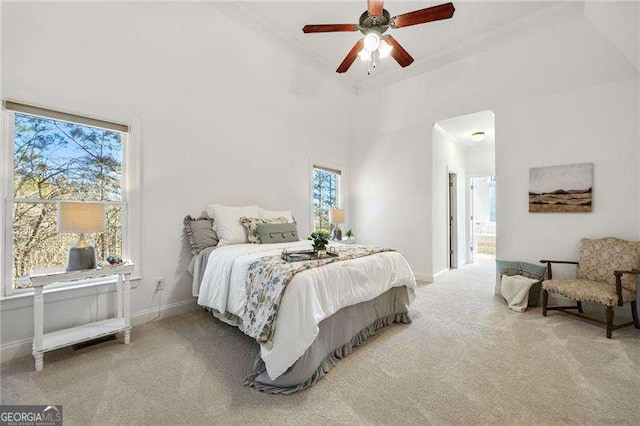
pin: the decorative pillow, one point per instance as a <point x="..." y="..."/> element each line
<point x="270" y="233"/>
<point x="273" y="214"/>
<point x="251" y="225"/>
<point x="226" y="222"/>
<point x="200" y="233"/>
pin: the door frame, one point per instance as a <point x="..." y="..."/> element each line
<point x="452" y="218"/>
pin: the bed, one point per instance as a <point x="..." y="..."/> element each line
<point x="325" y="312"/>
<point x="305" y="316"/>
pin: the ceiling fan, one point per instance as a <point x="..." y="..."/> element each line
<point x="373" y="23"/>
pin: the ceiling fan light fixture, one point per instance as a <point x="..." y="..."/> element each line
<point x="385" y="49"/>
<point x="372" y="41"/>
<point x="478" y="136"/>
<point x="364" y="55"/>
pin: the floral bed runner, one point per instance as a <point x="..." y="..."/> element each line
<point x="268" y="278"/>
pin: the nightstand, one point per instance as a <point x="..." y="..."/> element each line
<point x="58" y="339"/>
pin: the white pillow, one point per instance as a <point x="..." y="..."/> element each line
<point x="226" y="222"/>
<point x="274" y="214"/>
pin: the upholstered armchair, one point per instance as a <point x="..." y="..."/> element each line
<point x="607" y="274"/>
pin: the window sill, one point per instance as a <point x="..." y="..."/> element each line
<point x="85" y="288"/>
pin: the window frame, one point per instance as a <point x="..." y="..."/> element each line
<point x="340" y="171"/>
<point x="130" y="187"/>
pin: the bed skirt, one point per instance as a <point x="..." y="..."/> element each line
<point x="339" y="335"/>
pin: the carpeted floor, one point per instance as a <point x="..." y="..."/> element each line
<point x="465" y="359"/>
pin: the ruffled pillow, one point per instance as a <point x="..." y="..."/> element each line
<point x="251" y="225"/>
<point x="200" y="233"/>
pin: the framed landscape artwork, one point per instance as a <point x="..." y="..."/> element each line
<point x="561" y="189"/>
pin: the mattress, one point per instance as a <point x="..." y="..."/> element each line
<point x="311" y="297"/>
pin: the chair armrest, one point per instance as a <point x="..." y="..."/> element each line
<point x="570" y="262"/>
<point x="631" y="272"/>
<point x="619" y="275"/>
<point x="549" y="262"/>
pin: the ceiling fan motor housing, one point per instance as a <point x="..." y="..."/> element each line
<point x="380" y="23"/>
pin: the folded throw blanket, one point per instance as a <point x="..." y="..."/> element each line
<point x="515" y="290"/>
<point x="268" y="278"/>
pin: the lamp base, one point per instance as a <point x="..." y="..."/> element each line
<point x="81" y="258"/>
<point x="336" y="234"/>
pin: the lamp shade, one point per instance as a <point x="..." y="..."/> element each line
<point x="336" y="215"/>
<point x="78" y="218"/>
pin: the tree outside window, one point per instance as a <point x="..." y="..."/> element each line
<point x="326" y="193"/>
<point x="61" y="161"/>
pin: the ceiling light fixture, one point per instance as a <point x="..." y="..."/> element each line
<point x="372" y="41"/>
<point x="385" y="49"/>
<point x="478" y="136"/>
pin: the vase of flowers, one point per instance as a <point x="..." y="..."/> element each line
<point x="349" y="234"/>
<point x="319" y="241"/>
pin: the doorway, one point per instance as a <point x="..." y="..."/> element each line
<point x="453" y="221"/>
<point x="463" y="148"/>
<point x="482" y="218"/>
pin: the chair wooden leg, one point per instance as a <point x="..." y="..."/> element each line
<point x="609" y="321"/>
<point x="545" y="300"/>
<point x="634" y="313"/>
<point x="579" y="303"/>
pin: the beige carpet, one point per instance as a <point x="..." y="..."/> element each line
<point x="465" y="359"/>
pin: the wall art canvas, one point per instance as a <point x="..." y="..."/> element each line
<point x="561" y="189"/>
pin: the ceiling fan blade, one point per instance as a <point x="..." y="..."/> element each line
<point x="351" y="56"/>
<point x="329" y="28"/>
<point x="430" y="14"/>
<point x="374" y="7"/>
<point x="398" y="52"/>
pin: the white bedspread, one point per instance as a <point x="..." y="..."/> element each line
<point x="310" y="297"/>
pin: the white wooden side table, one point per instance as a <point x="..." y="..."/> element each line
<point x="58" y="339"/>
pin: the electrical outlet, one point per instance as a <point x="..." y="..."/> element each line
<point x="160" y="283"/>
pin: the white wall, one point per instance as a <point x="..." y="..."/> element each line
<point x="221" y="118"/>
<point x="481" y="161"/>
<point x="448" y="157"/>
<point x="593" y="125"/>
<point x="573" y="57"/>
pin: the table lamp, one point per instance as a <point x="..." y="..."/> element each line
<point x="81" y="218"/>
<point x="336" y="216"/>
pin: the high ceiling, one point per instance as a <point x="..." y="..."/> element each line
<point x="470" y="20"/>
<point x="462" y="127"/>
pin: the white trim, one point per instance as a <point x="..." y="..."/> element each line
<point x="424" y="278"/>
<point x="165" y="311"/>
<point x="131" y="190"/>
<point x="342" y="176"/>
<point x="6" y="190"/>
<point x="130" y="184"/>
<point x="60" y="293"/>
<point x="20" y="348"/>
<point x="444" y="271"/>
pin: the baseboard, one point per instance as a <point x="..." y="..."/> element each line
<point x="444" y="271"/>
<point x="13" y="350"/>
<point x="20" y="348"/>
<point x="166" y="311"/>
<point x="424" y="278"/>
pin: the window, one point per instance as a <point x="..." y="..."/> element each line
<point x="326" y="196"/>
<point x="58" y="157"/>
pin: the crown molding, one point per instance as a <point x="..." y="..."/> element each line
<point x="253" y="21"/>
<point x="546" y="18"/>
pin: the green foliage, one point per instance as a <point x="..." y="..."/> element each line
<point x="325" y="197"/>
<point x="55" y="160"/>
<point x="319" y="240"/>
<point x="349" y="233"/>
